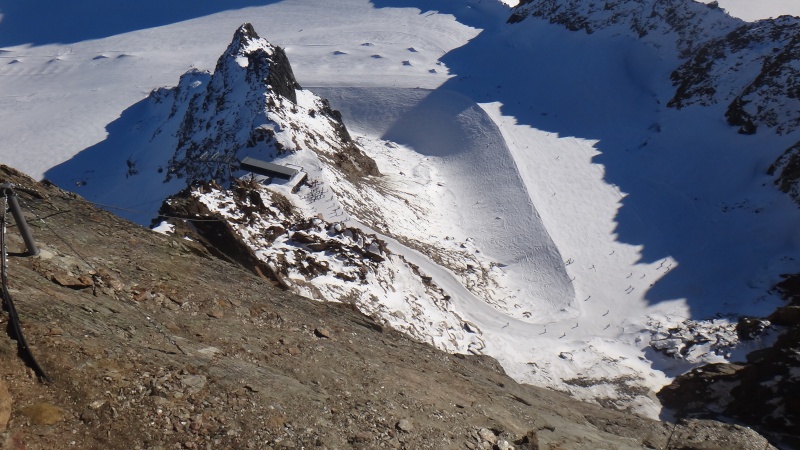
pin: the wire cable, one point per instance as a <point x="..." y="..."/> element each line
<point x="8" y="304"/>
<point x="149" y="319"/>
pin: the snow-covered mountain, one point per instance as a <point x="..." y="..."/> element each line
<point x="750" y="67"/>
<point x="686" y="25"/>
<point x="251" y="106"/>
<point x="533" y="192"/>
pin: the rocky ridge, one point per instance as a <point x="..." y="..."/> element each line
<point x="753" y="69"/>
<point x="761" y="391"/>
<point x="260" y="228"/>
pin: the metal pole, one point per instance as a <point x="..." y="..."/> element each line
<point x="16" y="211"/>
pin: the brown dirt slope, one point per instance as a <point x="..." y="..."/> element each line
<point x="152" y="343"/>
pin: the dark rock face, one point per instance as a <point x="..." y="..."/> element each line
<point x="216" y="236"/>
<point x="753" y="69"/>
<point x="787" y="169"/>
<point x="268" y="65"/>
<point x="761" y="393"/>
<point x="749" y="328"/>
<point x="689" y="23"/>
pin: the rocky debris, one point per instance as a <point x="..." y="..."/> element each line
<point x="5" y="406"/>
<point x="748" y="328"/>
<point x="159" y="373"/>
<point x="405" y="425"/>
<point x="487" y="435"/>
<point x="43" y="414"/>
<point x="73" y="282"/>
<point x="692" y="339"/>
<point x="323" y="332"/>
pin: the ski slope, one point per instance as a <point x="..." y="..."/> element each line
<point x="608" y="216"/>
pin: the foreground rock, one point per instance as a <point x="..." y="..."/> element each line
<point x="762" y="392"/>
<point x="137" y="361"/>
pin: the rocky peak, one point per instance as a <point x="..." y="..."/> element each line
<point x="251" y="105"/>
<point x="265" y="65"/>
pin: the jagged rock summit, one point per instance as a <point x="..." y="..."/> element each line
<point x="251" y="105"/>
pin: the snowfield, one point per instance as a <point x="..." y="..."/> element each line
<point x="597" y="241"/>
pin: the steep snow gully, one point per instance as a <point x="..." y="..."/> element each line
<point x="552" y="152"/>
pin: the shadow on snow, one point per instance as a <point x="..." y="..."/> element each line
<point x="40" y="22"/>
<point x="124" y="173"/>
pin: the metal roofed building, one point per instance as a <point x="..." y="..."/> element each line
<point x="267" y="168"/>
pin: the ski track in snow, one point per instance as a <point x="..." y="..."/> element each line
<point x="536" y="202"/>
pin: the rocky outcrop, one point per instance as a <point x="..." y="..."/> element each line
<point x="786" y="170"/>
<point x="753" y="69"/>
<point x="750" y="67"/>
<point x="762" y="392"/>
<point x="263" y="230"/>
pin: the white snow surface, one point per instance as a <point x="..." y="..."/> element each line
<point x="534" y="173"/>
